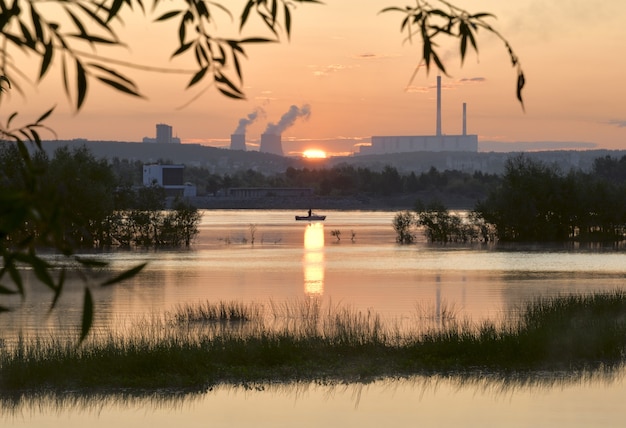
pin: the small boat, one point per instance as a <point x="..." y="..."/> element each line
<point x="310" y="217"/>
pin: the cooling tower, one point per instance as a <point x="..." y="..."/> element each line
<point x="238" y="142"/>
<point x="271" y="143"/>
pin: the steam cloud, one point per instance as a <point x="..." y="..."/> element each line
<point x="288" y="119"/>
<point x="245" y="121"/>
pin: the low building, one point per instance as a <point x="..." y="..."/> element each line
<point x="170" y="177"/>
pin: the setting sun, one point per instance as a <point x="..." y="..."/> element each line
<point x="314" y="154"/>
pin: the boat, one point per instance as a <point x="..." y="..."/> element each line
<point x="310" y="217"/>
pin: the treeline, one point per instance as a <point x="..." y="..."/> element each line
<point x="341" y="180"/>
<point x="533" y="202"/>
<point x="91" y="206"/>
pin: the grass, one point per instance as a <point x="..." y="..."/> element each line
<point x="195" y="347"/>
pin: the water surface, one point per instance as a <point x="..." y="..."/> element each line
<point x="263" y="256"/>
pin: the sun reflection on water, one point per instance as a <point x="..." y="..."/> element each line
<point x="313" y="260"/>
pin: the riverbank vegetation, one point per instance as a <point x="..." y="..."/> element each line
<point x="532" y="202"/>
<point x="193" y="348"/>
<point x="93" y="207"/>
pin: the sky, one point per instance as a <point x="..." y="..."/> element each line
<point x="350" y="67"/>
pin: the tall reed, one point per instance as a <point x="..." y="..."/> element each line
<point x="231" y="342"/>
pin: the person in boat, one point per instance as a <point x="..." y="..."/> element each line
<point x="310" y="212"/>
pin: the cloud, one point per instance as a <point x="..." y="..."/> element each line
<point x="446" y="85"/>
<point x="329" y="69"/>
<point x="472" y="80"/>
<point x="618" y="123"/>
<point x="372" y="56"/>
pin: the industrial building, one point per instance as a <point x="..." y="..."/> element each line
<point x="425" y="143"/>
<point x="170" y="177"/>
<point x="164" y="135"/>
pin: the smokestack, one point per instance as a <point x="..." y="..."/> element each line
<point x="464" y="118"/>
<point x="238" y="142"/>
<point x="271" y="143"/>
<point x="438" y="106"/>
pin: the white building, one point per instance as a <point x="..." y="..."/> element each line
<point x="170" y="177"/>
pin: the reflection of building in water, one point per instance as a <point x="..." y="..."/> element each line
<point x="313" y="260"/>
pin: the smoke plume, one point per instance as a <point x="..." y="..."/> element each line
<point x="288" y="119"/>
<point x="245" y="121"/>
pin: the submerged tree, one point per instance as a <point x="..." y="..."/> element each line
<point x="403" y="223"/>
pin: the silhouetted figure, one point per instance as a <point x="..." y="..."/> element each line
<point x="309" y="212"/>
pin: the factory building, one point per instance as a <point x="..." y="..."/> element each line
<point x="164" y="135"/>
<point x="170" y="177"/>
<point x="425" y="143"/>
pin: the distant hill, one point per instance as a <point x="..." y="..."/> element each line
<point x="222" y="161"/>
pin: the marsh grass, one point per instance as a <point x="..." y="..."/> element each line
<point x="194" y="347"/>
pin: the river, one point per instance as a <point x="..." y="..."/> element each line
<point x="350" y="259"/>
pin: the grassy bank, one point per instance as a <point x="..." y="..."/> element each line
<point x="231" y="342"/>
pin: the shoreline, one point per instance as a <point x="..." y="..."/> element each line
<point x="356" y="203"/>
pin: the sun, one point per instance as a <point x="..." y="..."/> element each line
<point x="314" y="154"/>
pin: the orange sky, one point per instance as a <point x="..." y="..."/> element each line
<point x="349" y="64"/>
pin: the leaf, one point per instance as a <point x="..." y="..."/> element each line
<point x="521" y="81"/>
<point x="76" y="21"/>
<point x="41" y="270"/>
<point x="125" y="275"/>
<point x="234" y="95"/>
<point x="182" y="49"/>
<point x="34" y="16"/>
<point x="198" y="76"/>
<point x="12" y="116"/>
<point x="28" y="38"/>
<point x="256" y="40"/>
<point x="237" y="65"/>
<point x="45" y="115"/>
<point x="46" y="59"/>
<point x="87" y="315"/>
<point x="119" y="86"/>
<point x="220" y="78"/>
<point x="169" y="15"/>
<point x="393" y="9"/>
<point x="81" y="84"/>
<point x="95" y="17"/>
<point x="287" y="21"/>
<point x="246" y="13"/>
<point x="58" y="290"/>
<point x="115" y="8"/>
<point x="6" y="290"/>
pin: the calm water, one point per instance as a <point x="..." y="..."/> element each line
<point x="262" y="256"/>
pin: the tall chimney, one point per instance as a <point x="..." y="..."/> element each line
<point x="238" y="142"/>
<point x="438" y="106"/>
<point x="464" y="118"/>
